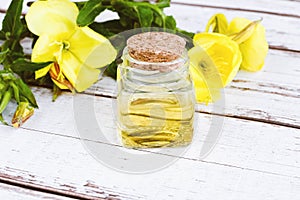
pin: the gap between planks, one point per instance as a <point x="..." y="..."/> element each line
<point x="14" y="192"/>
<point x="44" y="189"/>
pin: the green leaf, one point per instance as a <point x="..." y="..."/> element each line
<point x="126" y="10"/>
<point x="26" y="92"/>
<point x="89" y="12"/>
<point x="21" y="65"/>
<point x="16" y="49"/>
<point x="56" y="92"/>
<point x="145" y="15"/>
<point x="111" y="70"/>
<point x="29" y="78"/>
<point x="26" y="32"/>
<point x="170" y="23"/>
<point x="186" y="33"/>
<point x="7" y="75"/>
<point x="80" y="4"/>
<point x="12" y="21"/>
<point x="158" y="21"/>
<point x="13" y="30"/>
<point x="125" y="21"/>
<point x="2" y="35"/>
<point x="2" y="120"/>
<point x="108" y="28"/>
<point x="16" y="91"/>
<point x="5" y="99"/>
<point x="163" y="3"/>
<point x="3" y="55"/>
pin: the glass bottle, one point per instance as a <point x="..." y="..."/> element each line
<point x="155" y="108"/>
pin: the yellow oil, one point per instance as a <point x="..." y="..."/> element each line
<point x="156" y="120"/>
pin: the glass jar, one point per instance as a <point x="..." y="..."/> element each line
<point x="155" y="108"/>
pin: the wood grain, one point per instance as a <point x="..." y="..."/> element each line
<point x="265" y="134"/>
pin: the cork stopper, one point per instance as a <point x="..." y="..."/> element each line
<point x="155" y="47"/>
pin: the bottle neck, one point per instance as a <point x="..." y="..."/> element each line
<point x="142" y="76"/>
<point x="154" y="72"/>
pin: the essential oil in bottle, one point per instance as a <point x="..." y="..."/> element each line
<point x="155" y="93"/>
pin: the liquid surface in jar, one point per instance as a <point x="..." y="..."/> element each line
<point x="156" y="120"/>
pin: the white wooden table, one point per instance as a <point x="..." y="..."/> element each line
<point x="256" y="157"/>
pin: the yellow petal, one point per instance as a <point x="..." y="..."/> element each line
<point x="91" y="48"/>
<point x="52" y="16"/>
<point x="223" y="52"/>
<point x="254" y="50"/>
<point x="42" y="72"/>
<point x="86" y="77"/>
<point x="205" y="75"/>
<point x="245" y="33"/>
<point x="201" y="88"/>
<point x="60" y="85"/>
<point x="47" y="48"/>
<point x="79" y="75"/>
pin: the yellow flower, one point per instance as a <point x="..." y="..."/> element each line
<point x="253" y="45"/>
<point x="76" y="52"/>
<point x="215" y="60"/>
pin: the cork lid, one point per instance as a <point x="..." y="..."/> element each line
<point x="156" y="47"/>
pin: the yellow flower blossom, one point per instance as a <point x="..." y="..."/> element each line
<point x="254" y="46"/>
<point x="240" y="44"/>
<point x="215" y="60"/>
<point x="76" y="52"/>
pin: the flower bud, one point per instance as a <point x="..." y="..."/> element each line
<point x="23" y="112"/>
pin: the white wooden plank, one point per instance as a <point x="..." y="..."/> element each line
<point x="17" y="193"/>
<point x="244" y="165"/>
<point x="58" y="118"/>
<point x="279" y="7"/>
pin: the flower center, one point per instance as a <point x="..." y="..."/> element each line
<point x="66" y="45"/>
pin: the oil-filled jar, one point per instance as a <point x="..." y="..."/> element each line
<point x="155" y="101"/>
